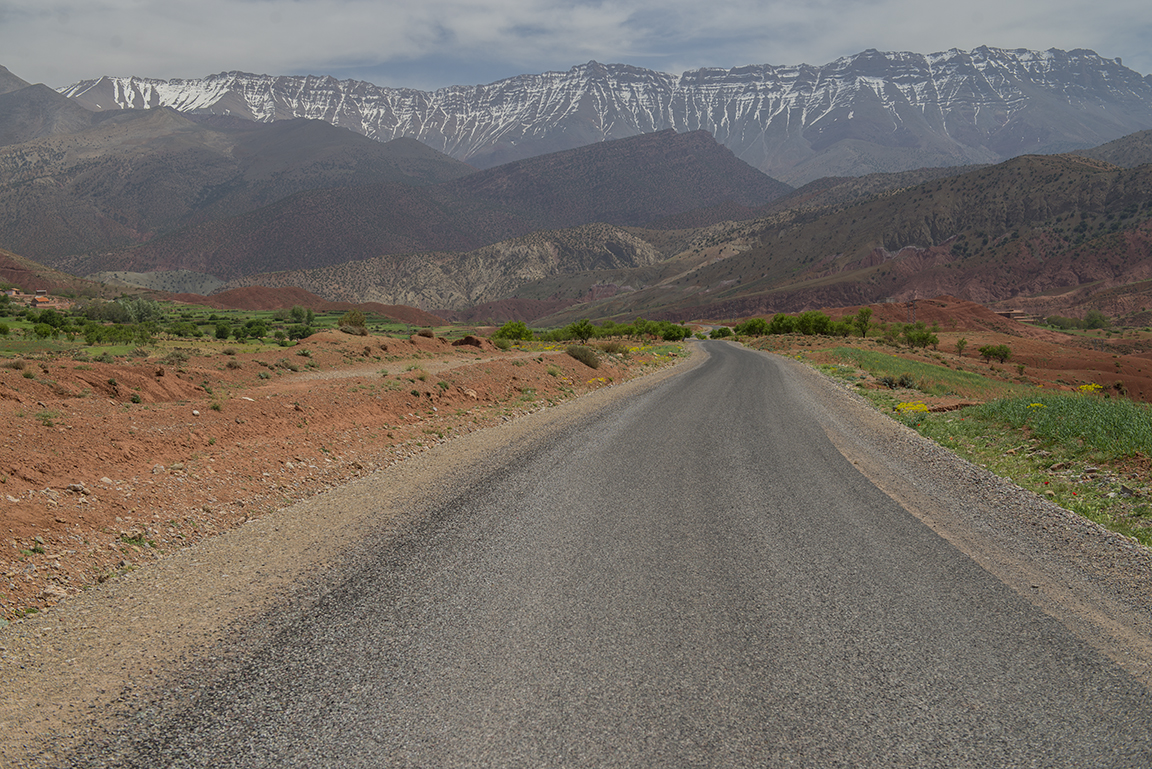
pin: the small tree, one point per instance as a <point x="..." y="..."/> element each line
<point x="862" y="321"/>
<point x="582" y="330"/>
<point x="1095" y="319"/>
<point x="1000" y="352"/>
<point x="353" y="318"/>
<point x="514" y="329"/>
<point x="961" y="343"/>
<point x="918" y="335"/>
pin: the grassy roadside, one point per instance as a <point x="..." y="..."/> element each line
<point x="1085" y="451"/>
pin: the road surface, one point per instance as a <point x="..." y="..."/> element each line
<point x="694" y="576"/>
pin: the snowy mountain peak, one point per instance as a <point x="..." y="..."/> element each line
<point x="872" y="111"/>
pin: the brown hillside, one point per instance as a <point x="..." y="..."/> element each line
<point x="134" y="176"/>
<point x="1031" y="225"/>
<point x="30" y="276"/>
<point x="264" y="298"/>
<point x="624" y="182"/>
<point x="503" y="310"/>
<point x="627" y="182"/>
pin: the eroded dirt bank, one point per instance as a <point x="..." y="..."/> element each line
<point x="69" y="668"/>
<point x="104" y="466"/>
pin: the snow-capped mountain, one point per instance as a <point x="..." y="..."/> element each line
<point x="873" y="111"/>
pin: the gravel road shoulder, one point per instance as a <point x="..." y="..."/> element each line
<point x="1098" y="583"/>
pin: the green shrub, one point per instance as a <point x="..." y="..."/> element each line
<point x="300" y="332"/>
<point x="352" y="318"/>
<point x="1095" y="319"/>
<point x="585" y="355"/>
<point x="1000" y="352"/>
<point x="781" y="324"/>
<point x="918" y="335"/>
<point x="514" y="329"/>
<point x="752" y="327"/>
<point x="720" y="333"/>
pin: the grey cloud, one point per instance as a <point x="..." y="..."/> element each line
<point x="61" y="42"/>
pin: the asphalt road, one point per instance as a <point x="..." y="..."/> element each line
<point x="693" y="577"/>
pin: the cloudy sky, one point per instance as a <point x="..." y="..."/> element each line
<point x="428" y="44"/>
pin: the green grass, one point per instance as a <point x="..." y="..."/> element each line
<point x="1097" y="426"/>
<point x="1074" y="449"/>
<point x="929" y="378"/>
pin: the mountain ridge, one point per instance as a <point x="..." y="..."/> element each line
<point x="870" y="112"/>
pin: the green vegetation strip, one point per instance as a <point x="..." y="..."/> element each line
<point x="927" y="377"/>
<point x="1086" y="452"/>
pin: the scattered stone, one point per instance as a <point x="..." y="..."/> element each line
<point x="157" y="469"/>
<point x="176" y="467"/>
<point x="77" y="488"/>
<point x="53" y="593"/>
<point x="107" y="481"/>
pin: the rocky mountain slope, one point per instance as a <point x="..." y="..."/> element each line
<point x="458" y="281"/>
<point x="1062" y="226"/>
<point x="1127" y="151"/>
<point x="871" y="112"/>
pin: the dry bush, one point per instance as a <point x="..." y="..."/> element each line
<point x="585" y="355"/>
